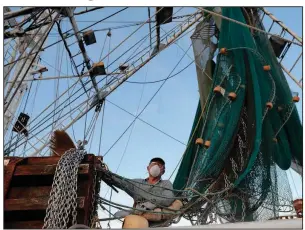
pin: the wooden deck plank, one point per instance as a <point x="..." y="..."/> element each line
<point x="41" y="170"/>
<point x="34" y="224"/>
<point x="40" y="203"/>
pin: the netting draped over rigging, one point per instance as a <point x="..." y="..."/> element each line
<point x="250" y="129"/>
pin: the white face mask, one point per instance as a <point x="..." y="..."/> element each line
<point x="155" y="171"/>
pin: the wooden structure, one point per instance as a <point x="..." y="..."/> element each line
<point x="27" y="185"/>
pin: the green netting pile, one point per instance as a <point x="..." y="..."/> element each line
<point x="251" y="145"/>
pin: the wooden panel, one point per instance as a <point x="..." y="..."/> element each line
<point x="8" y="174"/>
<point x="42" y="191"/>
<point x="29" y="192"/>
<point x="34" y="224"/>
<point x="53" y="160"/>
<point x="40" y="170"/>
<point x="33" y="204"/>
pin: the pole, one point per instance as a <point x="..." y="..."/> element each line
<point x="108" y="89"/>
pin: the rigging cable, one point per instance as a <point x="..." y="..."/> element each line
<point x="146" y="104"/>
<point x="74" y="94"/>
<point x="44" y="37"/>
<point x="70" y="35"/>
<point x="132" y="128"/>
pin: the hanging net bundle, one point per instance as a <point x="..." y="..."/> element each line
<point x="248" y="132"/>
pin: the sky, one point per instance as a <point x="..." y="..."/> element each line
<point x="172" y="110"/>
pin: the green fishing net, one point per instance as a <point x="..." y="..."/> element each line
<point x="247" y="144"/>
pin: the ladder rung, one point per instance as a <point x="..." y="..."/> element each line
<point x="77" y="54"/>
<point x="79" y="65"/>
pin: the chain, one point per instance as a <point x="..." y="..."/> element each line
<point x="93" y="211"/>
<point x="63" y="196"/>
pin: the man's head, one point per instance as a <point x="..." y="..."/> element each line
<point x="156" y="167"/>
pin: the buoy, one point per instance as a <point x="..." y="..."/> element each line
<point x="232" y="96"/>
<point x="199" y="141"/>
<point x="217" y="89"/>
<point x="134" y="221"/>
<point x="295" y="98"/>
<point x="223" y="51"/>
<point x="207" y="144"/>
<point x="267" y="67"/>
<point x="269" y="105"/>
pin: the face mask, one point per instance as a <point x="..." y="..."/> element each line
<point x="155" y="171"/>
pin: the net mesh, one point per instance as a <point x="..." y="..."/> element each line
<point x="251" y="144"/>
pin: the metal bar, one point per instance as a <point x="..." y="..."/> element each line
<point x="82" y="47"/>
<point x="283" y="26"/>
<point x="292" y="77"/>
<point x="43" y="40"/>
<point x="90" y="10"/>
<point x="70" y="55"/>
<point x="248" y="26"/>
<point x="76" y="54"/>
<point x="115" y="84"/>
<point x="17" y="13"/>
<point x="296" y="61"/>
<point x="63" y="77"/>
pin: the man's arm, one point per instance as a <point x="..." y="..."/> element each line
<point x="127" y="185"/>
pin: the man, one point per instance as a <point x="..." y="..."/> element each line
<point x="148" y="194"/>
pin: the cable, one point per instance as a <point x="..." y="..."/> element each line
<point x="152" y="82"/>
<point x="101" y="80"/>
<point x="146" y="123"/>
<point x="16" y="90"/>
<point x="145" y="105"/>
<point x="102" y="123"/>
<point x="66" y="33"/>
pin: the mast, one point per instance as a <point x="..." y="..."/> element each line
<point x="31" y="63"/>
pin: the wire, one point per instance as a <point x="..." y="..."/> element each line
<point x="146" y="105"/>
<point x="80" y="95"/>
<point x="146" y="123"/>
<point x="152" y="82"/>
<point x="68" y="35"/>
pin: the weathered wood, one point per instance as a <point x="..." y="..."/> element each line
<point x="8" y="174"/>
<point x="33" y="204"/>
<point x="89" y="190"/>
<point x="48" y="160"/>
<point x="34" y="224"/>
<point x="40" y="170"/>
<point x="30" y="185"/>
<point x="42" y="191"/>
